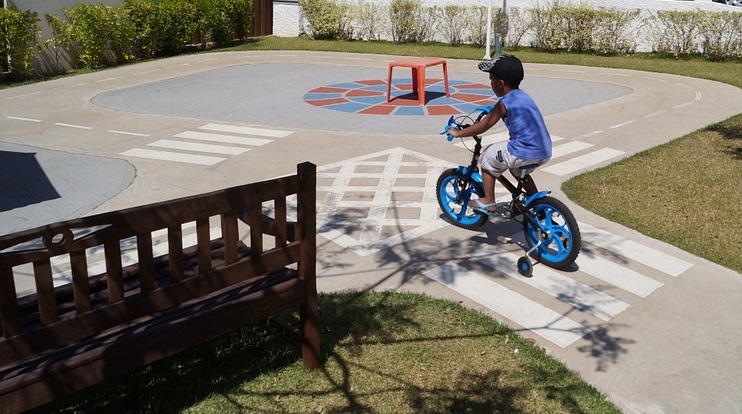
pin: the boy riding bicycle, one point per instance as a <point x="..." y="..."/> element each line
<point x="529" y="143"/>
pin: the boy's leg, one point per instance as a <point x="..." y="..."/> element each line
<point x="529" y="186"/>
<point x="488" y="182"/>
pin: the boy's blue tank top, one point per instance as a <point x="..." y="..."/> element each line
<point x="529" y="138"/>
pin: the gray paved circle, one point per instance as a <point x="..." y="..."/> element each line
<point x="241" y="94"/>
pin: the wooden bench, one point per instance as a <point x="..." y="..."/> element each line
<point x="154" y="295"/>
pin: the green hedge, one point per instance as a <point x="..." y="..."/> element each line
<point x="19" y="33"/>
<point x="101" y="35"/>
<point x="551" y="26"/>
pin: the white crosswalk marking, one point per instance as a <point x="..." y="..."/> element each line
<point x="582" y="162"/>
<point x="246" y="130"/>
<point x="173" y="156"/>
<point x="556" y="284"/>
<point x="634" y="251"/>
<point x="606" y="270"/>
<point x="239" y="139"/>
<point x="569" y="148"/>
<point x="541" y="320"/>
<point x="192" y="146"/>
<point x="227" y="139"/>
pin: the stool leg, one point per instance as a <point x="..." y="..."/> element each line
<point x="414" y="79"/>
<point x="389" y="84"/>
<point x="421" y="85"/>
<point x="445" y="78"/>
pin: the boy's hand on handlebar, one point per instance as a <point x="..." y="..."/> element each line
<point x="449" y="130"/>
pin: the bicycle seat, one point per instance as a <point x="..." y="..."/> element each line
<point x="527" y="169"/>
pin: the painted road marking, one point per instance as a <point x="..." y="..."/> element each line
<point x="582" y="162"/>
<point x="227" y="139"/>
<point x="248" y="141"/>
<point x="22" y="96"/>
<point x="607" y="271"/>
<point x="373" y="194"/>
<point x="569" y="148"/>
<point x="16" y="118"/>
<point x="247" y="130"/>
<point x="73" y="126"/>
<point x="173" y="156"/>
<point x="135" y="134"/>
<point x="537" y="318"/>
<point x="194" y="146"/>
<point x="549" y="281"/>
<point x="634" y="251"/>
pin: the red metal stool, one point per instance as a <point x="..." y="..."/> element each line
<point x="418" y="66"/>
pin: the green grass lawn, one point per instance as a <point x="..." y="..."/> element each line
<point x="383" y="353"/>
<point x="404" y="353"/>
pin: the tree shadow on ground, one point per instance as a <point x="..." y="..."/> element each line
<point x="350" y="322"/>
<point x="732" y="132"/>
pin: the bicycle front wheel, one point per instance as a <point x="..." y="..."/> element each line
<point x="557" y="232"/>
<point x="454" y="190"/>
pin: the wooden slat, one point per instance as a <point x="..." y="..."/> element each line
<point x="114" y="275"/>
<point x="80" y="281"/>
<point x="45" y="292"/>
<point x="146" y="262"/>
<point x="255" y="221"/>
<point x="231" y="236"/>
<point x="9" y="315"/>
<point x="175" y="251"/>
<point x="281" y="231"/>
<point x="203" y="237"/>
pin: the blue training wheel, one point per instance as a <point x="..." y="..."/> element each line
<point x="525" y="268"/>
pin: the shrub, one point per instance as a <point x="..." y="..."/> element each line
<point x="722" y="35"/>
<point x="403" y="18"/>
<point x="613" y="31"/>
<point x="163" y="27"/>
<point x="428" y="23"/>
<point x="548" y="30"/>
<point x="578" y="27"/>
<point x="519" y="23"/>
<point x="19" y="32"/>
<point x="369" y="17"/>
<point x="327" y="19"/>
<point x="455" y="23"/>
<point x="476" y="19"/>
<point x="222" y="21"/>
<point x="676" y="32"/>
<point x="102" y="35"/>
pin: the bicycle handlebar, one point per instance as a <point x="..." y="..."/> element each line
<point x="453" y="123"/>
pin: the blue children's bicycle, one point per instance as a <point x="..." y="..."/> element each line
<point x="550" y="229"/>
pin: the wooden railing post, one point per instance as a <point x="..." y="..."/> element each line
<point x="309" y="312"/>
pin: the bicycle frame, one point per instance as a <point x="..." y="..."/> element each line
<point x="520" y="198"/>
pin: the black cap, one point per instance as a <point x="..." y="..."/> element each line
<point x="506" y="67"/>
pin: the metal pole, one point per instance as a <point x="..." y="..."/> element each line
<point x="498" y="36"/>
<point x="489" y="30"/>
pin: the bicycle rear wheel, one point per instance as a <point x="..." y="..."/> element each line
<point x="453" y="191"/>
<point x="559" y="234"/>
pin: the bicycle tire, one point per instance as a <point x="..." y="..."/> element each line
<point x="560" y="250"/>
<point x="454" y="204"/>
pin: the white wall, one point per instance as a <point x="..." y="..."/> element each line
<point x="288" y="22"/>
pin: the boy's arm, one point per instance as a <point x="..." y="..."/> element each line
<point x="482" y="126"/>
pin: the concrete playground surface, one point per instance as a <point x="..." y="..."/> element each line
<point x="653" y="327"/>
